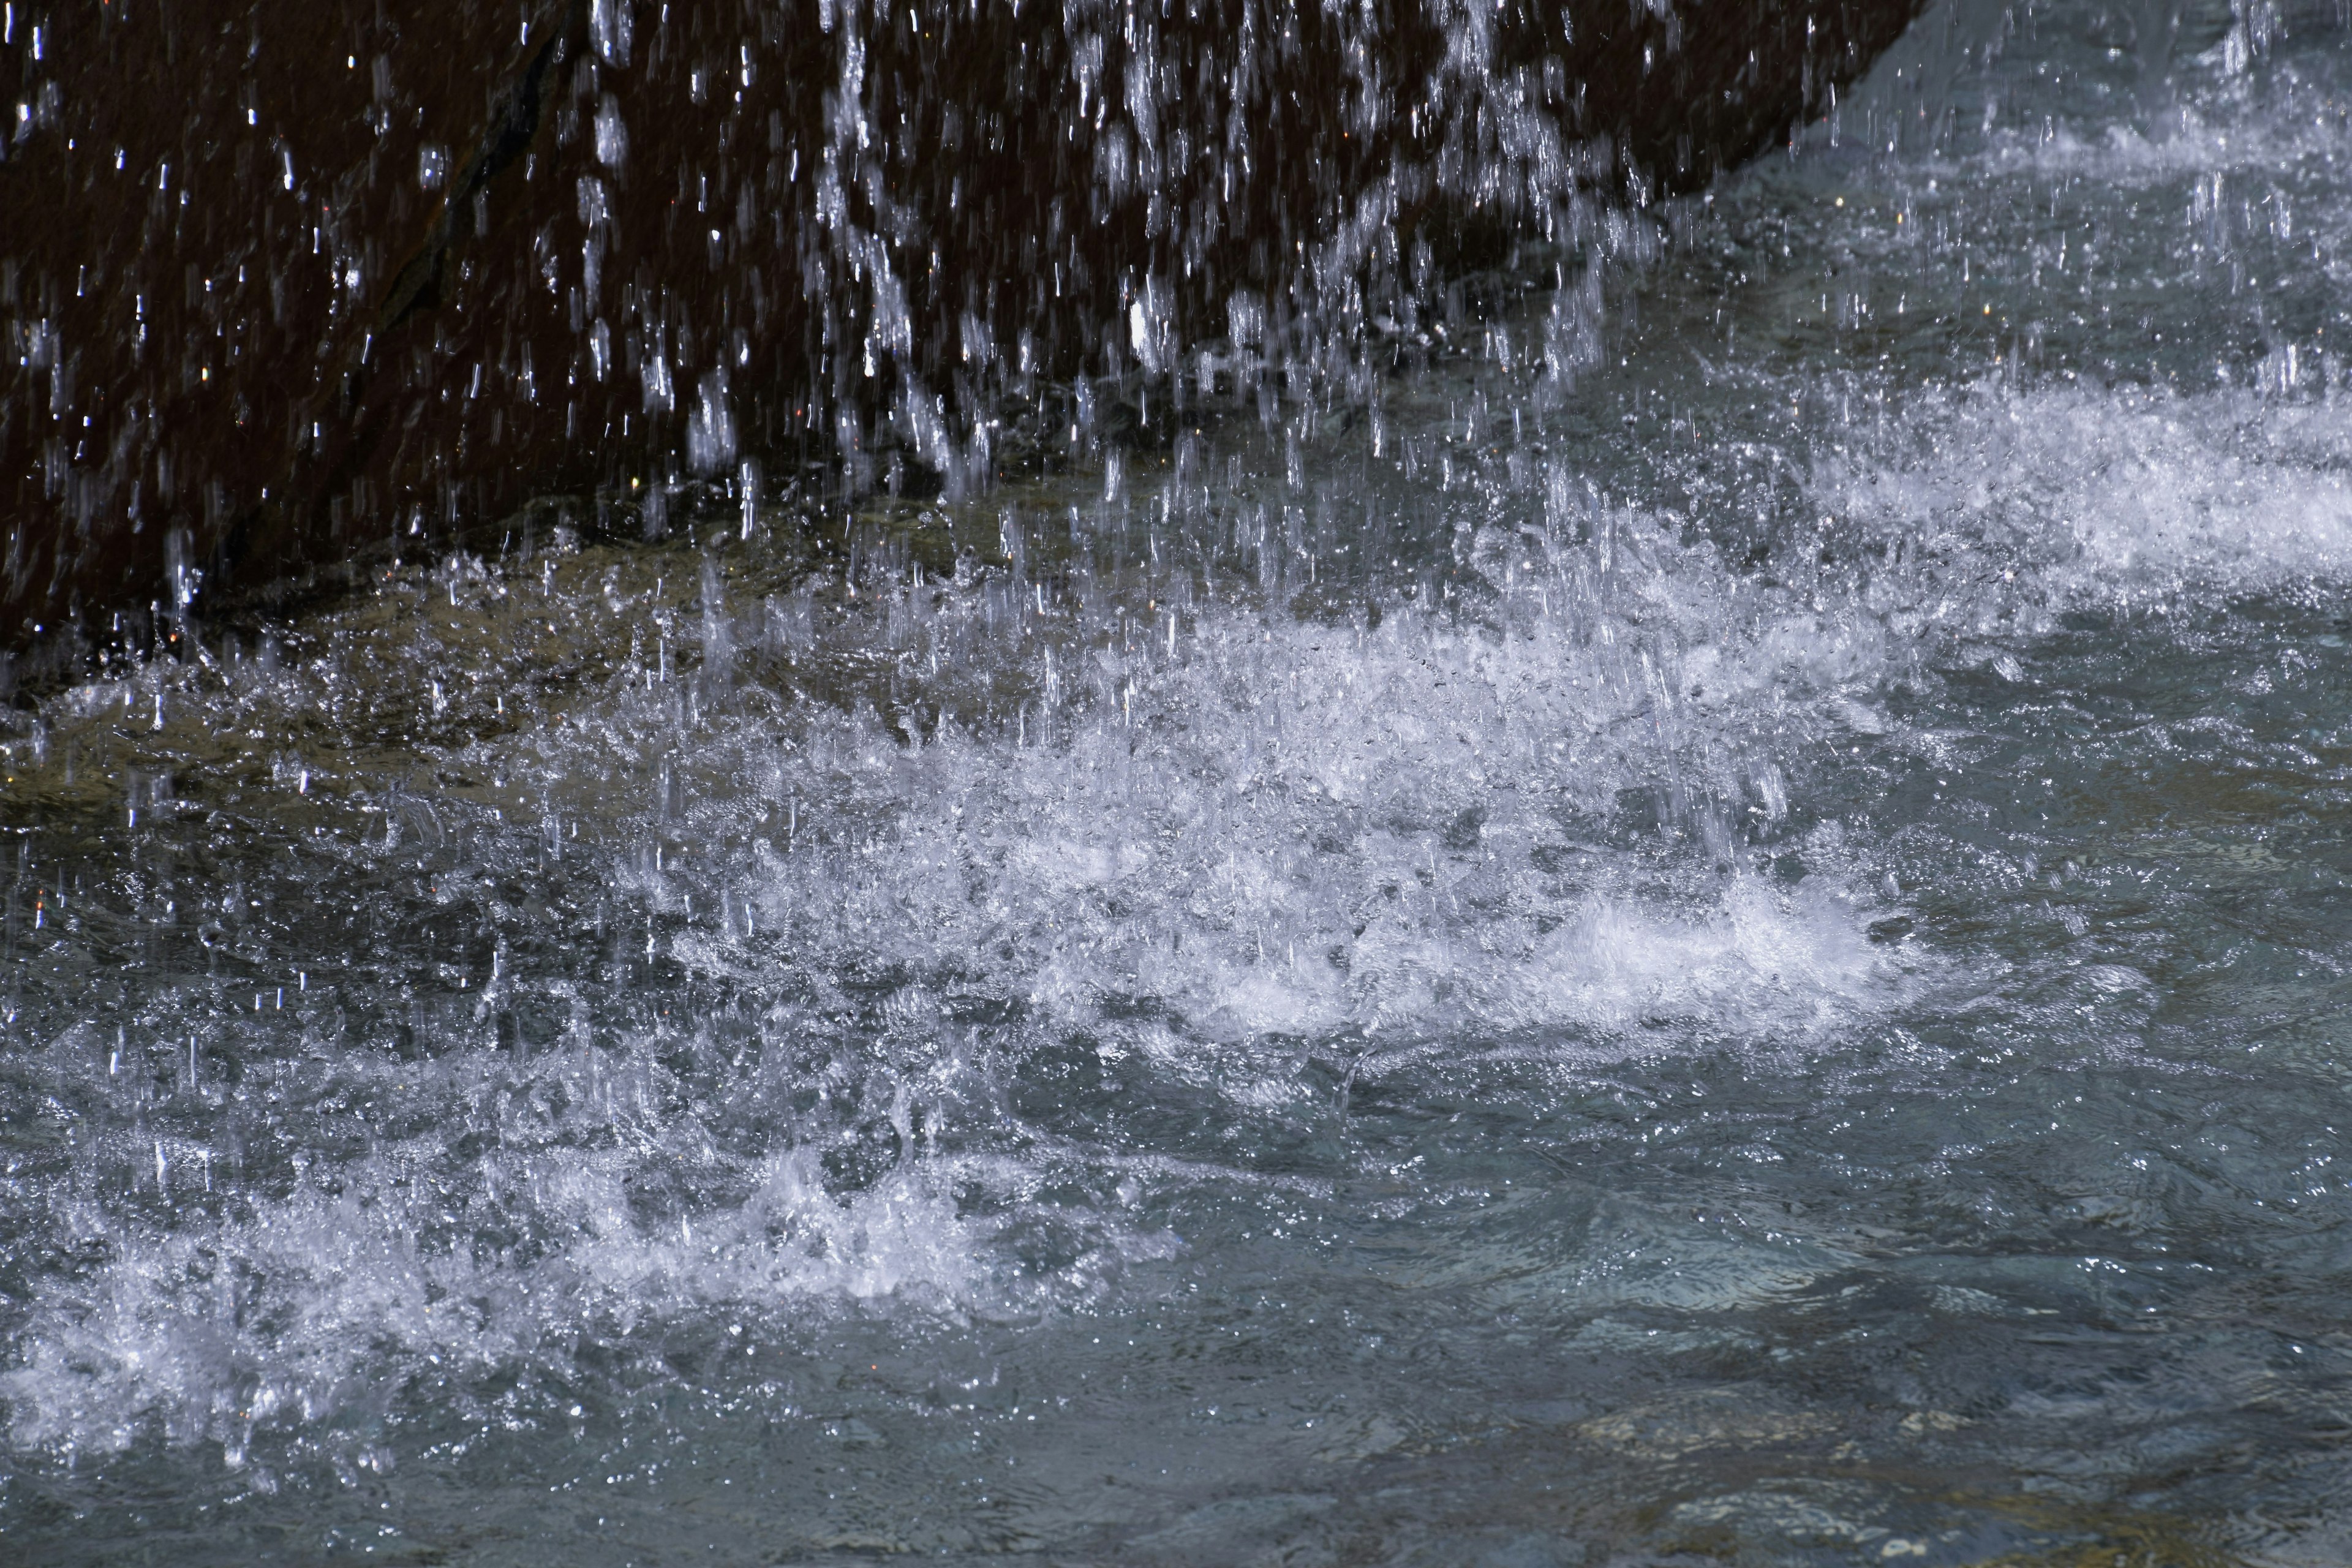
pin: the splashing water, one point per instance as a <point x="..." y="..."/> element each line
<point x="1742" y="956"/>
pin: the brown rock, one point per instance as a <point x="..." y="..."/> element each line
<point x="288" y="285"/>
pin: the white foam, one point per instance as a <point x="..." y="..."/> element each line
<point x="1267" y="831"/>
<point x="2012" y="507"/>
<point x="1294" y="829"/>
<point x="297" y="1306"/>
<point x="2196" y="143"/>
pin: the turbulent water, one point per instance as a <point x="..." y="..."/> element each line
<point x="1731" y="946"/>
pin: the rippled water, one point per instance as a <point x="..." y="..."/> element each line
<point x="1742" y="959"/>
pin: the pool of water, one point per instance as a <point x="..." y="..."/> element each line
<point x="1710" y="921"/>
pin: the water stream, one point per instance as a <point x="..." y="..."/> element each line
<point x="1726" y="942"/>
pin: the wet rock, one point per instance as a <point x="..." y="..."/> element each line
<point x="292" y="288"/>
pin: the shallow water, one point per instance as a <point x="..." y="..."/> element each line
<point x="1739" y="957"/>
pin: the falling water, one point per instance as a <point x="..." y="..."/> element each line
<point x="1691" y="906"/>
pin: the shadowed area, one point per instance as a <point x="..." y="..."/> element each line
<point x="322" y="280"/>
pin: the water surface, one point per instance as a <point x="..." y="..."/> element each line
<point x="1707" y="920"/>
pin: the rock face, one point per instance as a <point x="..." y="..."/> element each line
<point x="287" y="284"/>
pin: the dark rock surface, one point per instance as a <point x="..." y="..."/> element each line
<point x="287" y="284"/>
